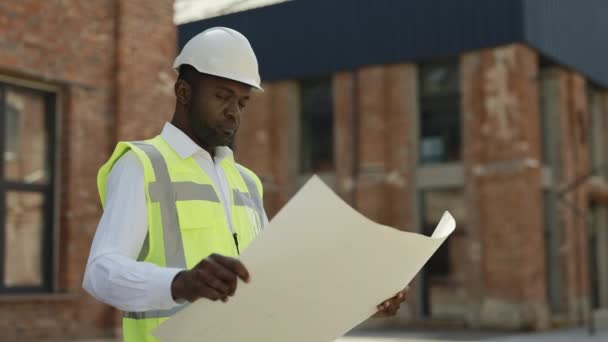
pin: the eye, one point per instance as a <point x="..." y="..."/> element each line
<point x="243" y="104"/>
<point x="221" y="96"/>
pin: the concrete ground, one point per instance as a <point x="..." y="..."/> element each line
<point x="569" y="335"/>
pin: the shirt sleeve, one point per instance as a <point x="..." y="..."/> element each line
<point x="265" y="220"/>
<point x="113" y="275"/>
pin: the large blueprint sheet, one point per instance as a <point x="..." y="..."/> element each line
<point x="317" y="271"/>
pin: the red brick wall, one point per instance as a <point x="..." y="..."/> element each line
<point x="382" y="184"/>
<point x="575" y="163"/>
<point x="112" y="60"/>
<point x="372" y="146"/>
<point x="285" y="117"/>
<point x="79" y="46"/>
<point x="255" y="140"/>
<point x="502" y="257"/>
<point x="604" y="110"/>
<point x="385" y="101"/>
<point x="402" y="103"/>
<point x="265" y="143"/>
<point x="504" y="188"/>
<point x="146" y="43"/>
<point x="344" y="140"/>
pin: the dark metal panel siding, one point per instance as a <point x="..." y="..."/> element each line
<point x="573" y="33"/>
<point x="306" y="38"/>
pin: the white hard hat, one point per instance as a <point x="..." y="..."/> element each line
<point x="222" y="52"/>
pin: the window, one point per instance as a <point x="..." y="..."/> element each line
<point x="440" y="184"/>
<point x="549" y="112"/>
<point x="444" y="275"/>
<point x="316" y="127"/>
<point x="548" y="86"/>
<point x="598" y="227"/>
<point x="26" y="189"/>
<point x="12" y="115"/>
<point x="596" y="128"/>
<point x="440" y="126"/>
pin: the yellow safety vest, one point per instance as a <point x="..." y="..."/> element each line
<point x="186" y="219"/>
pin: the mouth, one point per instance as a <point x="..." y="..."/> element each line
<point x="228" y="131"/>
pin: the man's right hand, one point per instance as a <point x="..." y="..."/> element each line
<point x="214" y="278"/>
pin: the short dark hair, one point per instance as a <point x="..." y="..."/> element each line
<point x="189" y="74"/>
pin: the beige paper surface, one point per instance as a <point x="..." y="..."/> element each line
<point x="318" y="270"/>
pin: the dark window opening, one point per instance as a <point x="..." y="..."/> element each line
<point x="440" y="118"/>
<point x="316" y="126"/>
<point x="443" y="277"/>
<point x="26" y="189"/>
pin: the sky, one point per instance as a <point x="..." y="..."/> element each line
<point x="192" y="10"/>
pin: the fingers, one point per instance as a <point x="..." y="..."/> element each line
<point x="387" y="305"/>
<point x="197" y="288"/>
<point x="234" y="265"/>
<point x="382" y="308"/>
<point x="391" y="306"/>
<point x="392" y="310"/>
<point x="211" y="294"/>
<point x="402" y="295"/>
<point x="209" y="279"/>
<point x="225" y="275"/>
<point x="215" y="278"/>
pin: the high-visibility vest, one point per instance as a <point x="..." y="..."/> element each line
<point x="186" y="219"/>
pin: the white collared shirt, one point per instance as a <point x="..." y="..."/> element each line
<point x="113" y="275"/>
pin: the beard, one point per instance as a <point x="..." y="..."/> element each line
<point x="207" y="134"/>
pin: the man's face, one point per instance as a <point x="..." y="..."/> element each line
<point x="217" y="105"/>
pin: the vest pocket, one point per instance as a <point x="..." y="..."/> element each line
<point x="204" y="230"/>
<point x="197" y="214"/>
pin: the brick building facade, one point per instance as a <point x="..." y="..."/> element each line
<point x="75" y="76"/>
<point x="501" y="124"/>
<point x="499" y="191"/>
<point x="500" y="135"/>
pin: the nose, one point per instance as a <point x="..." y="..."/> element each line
<point x="233" y="110"/>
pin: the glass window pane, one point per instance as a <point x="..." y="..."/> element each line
<point x="440" y="119"/>
<point x="548" y="105"/>
<point x="445" y="272"/>
<point x="23" y="239"/>
<point x="595" y="106"/>
<point x="25" y="137"/>
<point x="316" y="126"/>
<point x="440" y="140"/>
<point x="439" y="79"/>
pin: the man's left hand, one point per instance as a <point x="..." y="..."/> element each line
<point x="391" y="306"/>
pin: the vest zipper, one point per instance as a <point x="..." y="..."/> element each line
<point x="236" y="243"/>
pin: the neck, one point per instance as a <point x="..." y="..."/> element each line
<point x="187" y="129"/>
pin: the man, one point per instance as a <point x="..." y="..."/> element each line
<point x="177" y="208"/>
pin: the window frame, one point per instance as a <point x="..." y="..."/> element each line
<point x="438" y="102"/>
<point x="551" y="171"/>
<point x="302" y="176"/>
<point x="598" y="213"/>
<point x="52" y="97"/>
<point x="432" y="176"/>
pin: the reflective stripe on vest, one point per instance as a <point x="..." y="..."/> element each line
<point x="254" y="194"/>
<point x="166" y="193"/>
<point x="161" y="191"/>
<point x="154" y="313"/>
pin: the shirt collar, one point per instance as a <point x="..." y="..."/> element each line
<point x="185" y="147"/>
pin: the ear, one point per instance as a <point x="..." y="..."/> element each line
<point x="183" y="92"/>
